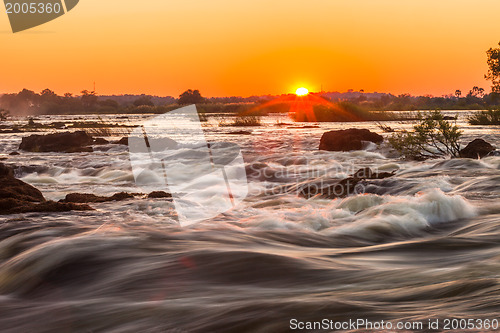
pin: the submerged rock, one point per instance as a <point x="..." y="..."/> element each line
<point x="17" y="196"/>
<point x="92" y="198"/>
<point x="344" y="187"/>
<point x="349" y="139"/>
<point x="240" y="133"/>
<point x="477" y="149"/>
<point x="100" y="141"/>
<point x="76" y="142"/>
<point x="122" y="141"/>
<point x="89" y="198"/>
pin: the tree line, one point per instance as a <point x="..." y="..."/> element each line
<point x="48" y="102"/>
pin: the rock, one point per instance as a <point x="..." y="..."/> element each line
<point x="14" y="153"/>
<point x="12" y="188"/>
<point x="100" y="141"/>
<point x="122" y="141"/>
<point x="240" y="132"/>
<point x="88" y="198"/>
<point x="159" y="194"/>
<point x="58" y="125"/>
<point x="43" y="207"/>
<point x="363" y="173"/>
<point x="303" y="127"/>
<point x="5" y="171"/>
<point x="346" y="140"/>
<point x="477" y="149"/>
<point x="67" y="142"/>
<point x="344" y="187"/>
<point x="18" y="197"/>
<point x="367" y="173"/>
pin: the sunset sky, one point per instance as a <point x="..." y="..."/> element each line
<point x="243" y="48"/>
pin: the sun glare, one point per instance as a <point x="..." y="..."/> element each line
<point x="302" y="92"/>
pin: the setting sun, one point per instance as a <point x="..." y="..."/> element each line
<point x="302" y="92"/>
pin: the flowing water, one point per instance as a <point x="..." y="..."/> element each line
<point x="423" y="244"/>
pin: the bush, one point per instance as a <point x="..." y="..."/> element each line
<point x="490" y="117"/>
<point x="340" y="112"/>
<point x="432" y="137"/>
<point x="242" y="121"/>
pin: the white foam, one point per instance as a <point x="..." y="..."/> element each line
<point x="411" y="214"/>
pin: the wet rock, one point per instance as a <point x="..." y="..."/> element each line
<point x="344" y="187"/>
<point x="367" y="173"/>
<point x="100" y="141"/>
<point x="67" y="142"/>
<point x="17" y="196"/>
<point x="122" y="141"/>
<point x="349" y="139"/>
<point x="303" y="127"/>
<point x="58" y="125"/>
<point x="12" y="188"/>
<point x="9" y="131"/>
<point x="477" y="149"/>
<point x="159" y="195"/>
<point x="240" y="132"/>
<point x="14" y="153"/>
<point x="6" y="171"/>
<point x="43" y="207"/>
<point x="90" y="198"/>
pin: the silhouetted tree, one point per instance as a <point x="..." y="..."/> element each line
<point x="494" y="68"/>
<point x="458" y="93"/>
<point x="144" y="100"/>
<point x="48" y="96"/>
<point x="89" y="99"/>
<point x="476" y="92"/>
<point x="109" y="103"/>
<point x="191" y="97"/>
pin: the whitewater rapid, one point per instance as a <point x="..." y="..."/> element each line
<point x="423" y="243"/>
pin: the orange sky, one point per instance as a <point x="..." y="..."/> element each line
<point x="231" y="47"/>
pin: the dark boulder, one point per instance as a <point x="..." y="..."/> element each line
<point x="5" y="171"/>
<point x="18" y="197"/>
<point x="17" y="207"/>
<point x="159" y="195"/>
<point x="345" y="187"/>
<point x="100" y="141"/>
<point x="14" y="153"/>
<point x="88" y="198"/>
<point x="122" y="141"/>
<point x="349" y="139"/>
<point x="240" y="133"/>
<point x="12" y="188"/>
<point x="477" y="149"/>
<point x="67" y="142"/>
<point x="367" y="173"/>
